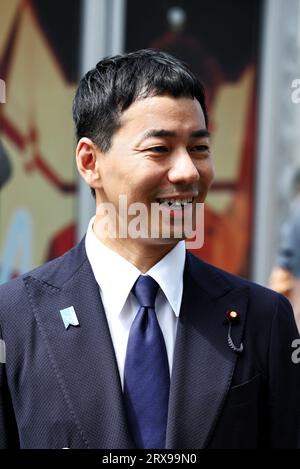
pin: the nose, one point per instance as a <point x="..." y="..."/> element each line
<point x="183" y="169"/>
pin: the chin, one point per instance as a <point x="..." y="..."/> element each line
<point x="162" y="241"/>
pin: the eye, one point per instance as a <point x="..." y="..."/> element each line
<point x="200" y="148"/>
<point x="158" y="149"/>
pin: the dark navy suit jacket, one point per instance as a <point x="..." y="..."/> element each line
<point x="61" y="388"/>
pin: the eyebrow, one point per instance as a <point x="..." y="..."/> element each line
<point x="157" y="133"/>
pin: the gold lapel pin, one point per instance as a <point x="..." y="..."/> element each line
<point x="233" y="318"/>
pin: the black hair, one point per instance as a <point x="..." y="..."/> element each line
<point x="116" y="82"/>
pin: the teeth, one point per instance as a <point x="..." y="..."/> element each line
<point x="175" y="202"/>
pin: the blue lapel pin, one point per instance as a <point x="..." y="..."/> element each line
<point x="69" y="317"/>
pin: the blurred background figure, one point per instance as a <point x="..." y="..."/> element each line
<point x="285" y="275"/>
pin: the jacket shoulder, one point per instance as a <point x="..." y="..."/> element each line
<point x="56" y="272"/>
<point x="263" y="300"/>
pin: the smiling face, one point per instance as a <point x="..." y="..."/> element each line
<point x="160" y="154"/>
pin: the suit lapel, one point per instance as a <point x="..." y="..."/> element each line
<point x="203" y="361"/>
<point x="82" y="357"/>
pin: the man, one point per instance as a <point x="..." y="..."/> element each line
<point x="129" y="341"/>
<point x="285" y="275"/>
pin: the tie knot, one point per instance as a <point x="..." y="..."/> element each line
<point x="145" y="290"/>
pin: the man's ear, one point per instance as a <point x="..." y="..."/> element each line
<point x="87" y="164"/>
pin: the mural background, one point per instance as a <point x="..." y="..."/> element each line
<point x="39" y="56"/>
<point x="39" y="63"/>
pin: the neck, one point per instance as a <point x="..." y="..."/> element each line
<point x="143" y="254"/>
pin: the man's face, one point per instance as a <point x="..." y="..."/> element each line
<point x="159" y="155"/>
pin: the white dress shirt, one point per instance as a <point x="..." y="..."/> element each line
<point x="116" y="277"/>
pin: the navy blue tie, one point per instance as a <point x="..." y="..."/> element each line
<point x="146" y="373"/>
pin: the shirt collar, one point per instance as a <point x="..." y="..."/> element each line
<point x="168" y="273"/>
<point x="111" y="270"/>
